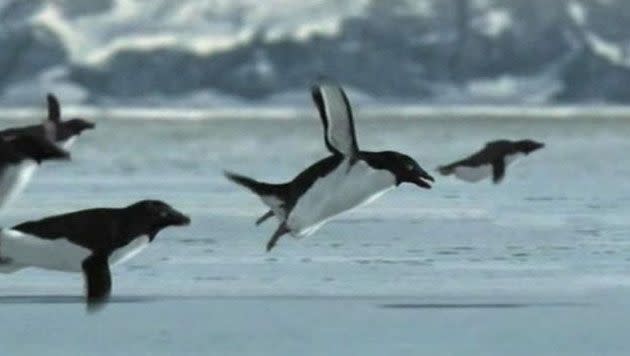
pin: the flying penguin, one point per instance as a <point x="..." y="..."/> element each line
<point x="492" y="160"/>
<point x="347" y="178"/>
<point x="63" y="133"/>
<point x="19" y="156"/>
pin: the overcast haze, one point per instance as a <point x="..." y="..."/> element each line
<point x="208" y="53"/>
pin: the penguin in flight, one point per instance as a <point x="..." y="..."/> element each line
<point x="64" y="133"/>
<point x="19" y="155"/>
<point x="347" y="178"/>
<point x="492" y="160"/>
<point x="87" y="241"/>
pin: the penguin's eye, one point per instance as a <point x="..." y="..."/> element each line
<point x="163" y="214"/>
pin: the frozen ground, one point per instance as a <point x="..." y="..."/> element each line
<point x="536" y="266"/>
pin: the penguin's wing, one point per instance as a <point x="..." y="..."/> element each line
<point x="498" y="170"/>
<point x="54" y="110"/>
<point x="98" y="280"/>
<point x="336" y="115"/>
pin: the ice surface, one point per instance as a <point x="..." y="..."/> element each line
<point x="535" y="266"/>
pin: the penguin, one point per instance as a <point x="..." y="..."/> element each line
<point x="88" y="241"/>
<point x="19" y="156"/>
<point x="492" y="160"/>
<point x="347" y="178"/>
<point x="25" y="147"/>
<point x="66" y="132"/>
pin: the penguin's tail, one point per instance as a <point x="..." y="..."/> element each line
<point x="260" y="188"/>
<point x="273" y="195"/>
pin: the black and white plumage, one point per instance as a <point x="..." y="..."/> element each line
<point x="63" y="133"/>
<point x="346" y="179"/>
<point x="87" y="241"/>
<point x="19" y="156"/>
<point x="492" y="160"/>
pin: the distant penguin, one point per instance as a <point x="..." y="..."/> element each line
<point x="66" y="132"/>
<point x="492" y="160"/>
<point x="19" y="156"/>
<point x="88" y="241"/>
<point x="346" y="179"/>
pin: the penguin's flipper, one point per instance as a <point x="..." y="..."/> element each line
<point x="282" y="229"/>
<point x="336" y="115"/>
<point x="498" y="170"/>
<point x="54" y="110"/>
<point x="98" y="280"/>
<point x="264" y="217"/>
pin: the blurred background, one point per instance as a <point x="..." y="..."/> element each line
<point x="209" y="53"/>
<point x="537" y="265"/>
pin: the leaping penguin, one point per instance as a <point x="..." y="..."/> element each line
<point x="88" y="241"/>
<point x="344" y="180"/>
<point x="64" y="133"/>
<point x="492" y="160"/>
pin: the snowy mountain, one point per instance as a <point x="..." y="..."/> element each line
<point x="214" y="52"/>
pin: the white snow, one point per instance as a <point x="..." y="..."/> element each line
<point x="200" y="26"/>
<point x="494" y="22"/>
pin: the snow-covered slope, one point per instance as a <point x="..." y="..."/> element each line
<point x="202" y="52"/>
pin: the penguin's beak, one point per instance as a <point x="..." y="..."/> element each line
<point x="421" y="179"/>
<point x="87" y="125"/>
<point x="535" y="147"/>
<point x="177" y="219"/>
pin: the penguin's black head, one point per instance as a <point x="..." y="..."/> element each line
<point x="406" y="169"/>
<point x="157" y="215"/>
<point x="528" y="146"/>
<point x="76" y="126"/>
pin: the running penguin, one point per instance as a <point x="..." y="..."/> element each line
<point x="88" y="241"/>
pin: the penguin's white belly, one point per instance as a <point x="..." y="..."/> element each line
<point x="337" y="192"/>
<point x="128" y="251"/>
<point x="473" y="174"/>
<point x="68" y="143"/>
<point x="14" y="179"/>
<point x="19" y="250"/>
